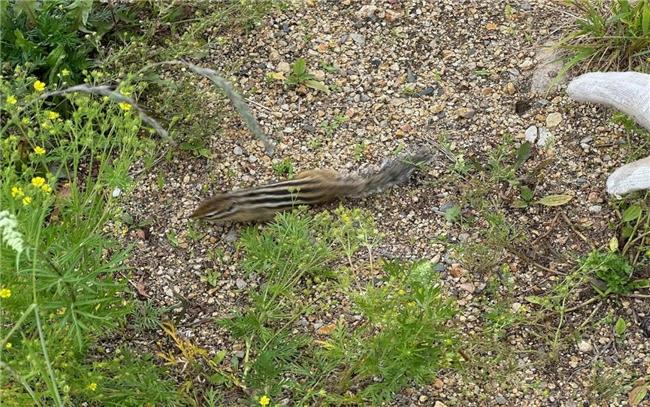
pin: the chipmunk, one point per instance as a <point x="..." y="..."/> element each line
<point x="308" y="188"/>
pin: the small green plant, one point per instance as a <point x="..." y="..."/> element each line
<point x="500" y="162"/>
<point x="327" y="67"/>
<point x="330" y="127"/>
<point x="55" y="39"/>
<point x="283" y="168"/>
<point x="409" y="90"/>
<point x="300" y="76"/>
<point x="629" y="124"/>
<point x="608" y="35"/>
<point x="196" y="146"/>
<point x="286" y="252"/>
<point x="620" y="327"/>
<point x="359" y="150"/>
<point x="172" y="238"/>
<point x="606" y="385"/>
<point x="498" y="238"/>
<point x="405" y="337"/>
<point x="635" y="229"/>
<point x="146" y="316"/>
<point x="611" y="273"/>
<point x="128" y="379"/>
<point x="460" y="165"/>
<point x="526" y="196"/>
<point x="61" y="289"/>
<point x="212" y="277"/>
<point x="453" y="213"/>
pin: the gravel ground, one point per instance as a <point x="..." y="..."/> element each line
<point x="408" y="72"/>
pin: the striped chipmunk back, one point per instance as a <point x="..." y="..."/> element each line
<point x="308" y="188"/>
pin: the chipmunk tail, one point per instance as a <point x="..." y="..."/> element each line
<point x="394" y="172"/>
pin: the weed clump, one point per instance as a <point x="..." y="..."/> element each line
<point x="609" y="35"/>
<point x="404" y="335"/>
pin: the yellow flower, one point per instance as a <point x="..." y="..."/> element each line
<point x="39" y="86"/>
<point x="125" y="106"/>
<point x="39" y="150"/>
<point x="46" y="188"/>
<point x="11" y="100"/>
<point x="17" y="192"/>
<point x="46" y="125"/>
<point x="5" y="293"/>
<point x="8" y="345"/>
<point x="52" y="115"/>
<point x="27" y="200"/>
<point x="25" y="120"/>
<point x="265" y="400"/>
<point x="92" y="386"/>
<point x="38" y="181"/>
<point x="65" y="72"/>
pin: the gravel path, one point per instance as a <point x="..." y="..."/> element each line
<point x="404" y="73"/>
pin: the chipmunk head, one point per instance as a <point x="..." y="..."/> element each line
<point x="215" y="208"/>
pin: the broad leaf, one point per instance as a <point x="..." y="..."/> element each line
<point x="620" y="327"/>
<point x="632" y="213"/>
<point x="523" y="153"/>
<point x="555" y="200"/>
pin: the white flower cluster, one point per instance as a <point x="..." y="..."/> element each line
<point x="11" y="236"/>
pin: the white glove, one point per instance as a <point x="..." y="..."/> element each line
<point x="628" y="92"/>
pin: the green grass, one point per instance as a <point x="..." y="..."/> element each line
<point x="283" y="168"/>
<point x="331" y="126"/>
<point x="608" y="35"/>
<point x="63" y="285"/>
<point x="56" y="40"/>
<point x="299" y="75"/>
<point x="405" y="335"/>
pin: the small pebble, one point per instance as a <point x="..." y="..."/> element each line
<point x="284" y="67"/>
<point x="544" y="136"/>
<point x="595" y="208"/>
<point x="553" y="119"/>
<point x="358" y="38"/>
<point x="585" y="346"/>
<point x="240" y="283"/>
<point x="465" y="112"/>
<point x="531" y="134"/>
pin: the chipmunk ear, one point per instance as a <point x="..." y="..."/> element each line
<point x="212" y="207"/>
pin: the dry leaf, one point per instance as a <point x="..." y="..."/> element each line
<point x="491" y="26"/>
<point x="456" y="270"/>
<point x="327" y="329"/>
<point x="140" y="287"/>
<point x="322" y="47"/>
<point x="637" y="394"/>
<point x="278" y="76"/>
